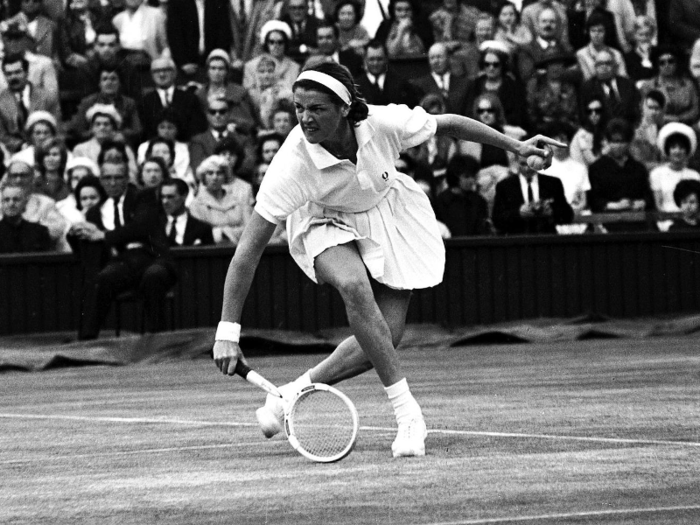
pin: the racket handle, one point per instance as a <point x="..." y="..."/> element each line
<point x="256" y="379"/>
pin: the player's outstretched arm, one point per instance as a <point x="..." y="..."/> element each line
<point x="239" y="278"/>
<point x="464" y="128"/>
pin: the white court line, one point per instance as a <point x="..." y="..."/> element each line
<point x="574" y="515"/>
<point x="623" y="441"/>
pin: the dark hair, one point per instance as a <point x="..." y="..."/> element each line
<point x="678" y="54"/>
<point x="460" y="165"/>
<point x="677" y="139"/>
<point x="92" y="182"/>
<point x="110" y="145"/>
<point x="42" y="150"/>
<point x="619" y="126"/>
<point x="105" y="68"/>
<point x="161" y="164"/>
<point x="598" y="130"/>
<point x="326" y="25"/>
<point x="392" y="8"/>
<point x="515" y="9"/>
<point x="231" y="145"/>
<point x="180" y="185"/>
<point x="355" y="6"/>
<point x="161" y="140"/>
<point x="358" y="106"/>
<point x="263" y="139"/>
<point x="495" y="104"/>
<point x="503" y="58"/>
<point x="657" y="96"/>
<point x="106" y="28"/>
<point x="13" y="58"/>
<point x="685" y="188"/>
<point x="558" y="128"/>
<point x="596" y="19"/>
<point x="284" y="37"/>
<point x="375" y="43"/>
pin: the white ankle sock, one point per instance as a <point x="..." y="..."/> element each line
<point x="405" y="405"/>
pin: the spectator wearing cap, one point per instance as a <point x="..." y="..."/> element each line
<point x="275" y="37"/>
<point x="105" y="124"/>
<point x="167" y="96"/>
<point x="78" y="168"/>
<point x="18" y="235"/>
<point x="42" y="72"/>
<point x="40" y="126"/>
<point x="247" y="19"/>
<point x="43" y="30"/>
<point x="551" y="97"/>
<point x="19" y="100"/>
<point x="678" y="143"/>
<point x="142" y="33"/>
<point x="597" y="27"/>
<point x="110" y="93"/>
<point x="195" y="28"/>
<point x="39" y="208"/>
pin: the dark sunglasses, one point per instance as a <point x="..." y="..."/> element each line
<point x="494" y="64"/>
<point x="594" y="110"/>
<point x="275" y="41"/>
<point x="667" y="61"/>
<point x="485" y="110"/>
<point x="218" y="111"/>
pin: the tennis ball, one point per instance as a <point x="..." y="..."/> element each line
<point x="536" y="162"/>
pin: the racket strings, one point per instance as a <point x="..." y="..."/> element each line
<point x="322" y="423"/>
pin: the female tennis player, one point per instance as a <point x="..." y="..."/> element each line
<point x="357" y="224"/>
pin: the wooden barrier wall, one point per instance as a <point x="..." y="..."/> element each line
<point x="487" y="280"/>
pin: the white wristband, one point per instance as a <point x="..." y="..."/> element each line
<point x="228" y="332"/>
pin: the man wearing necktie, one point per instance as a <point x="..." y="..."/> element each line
<point x="182" y="228"/>
<point x="453" y="88"/>
<point x="380" y="83"/>
<point x="530" y="203"/>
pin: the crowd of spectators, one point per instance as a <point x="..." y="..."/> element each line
<point x="122" y="117"/>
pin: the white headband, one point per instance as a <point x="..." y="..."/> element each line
<point x="326" y="80"/>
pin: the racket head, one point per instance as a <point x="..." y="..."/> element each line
<point x="322" y="423"/>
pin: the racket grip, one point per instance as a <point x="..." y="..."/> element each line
<point x="256" y="379"/>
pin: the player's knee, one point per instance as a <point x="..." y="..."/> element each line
<point x="355" y="291"/>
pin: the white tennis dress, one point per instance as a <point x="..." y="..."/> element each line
<point x="327" y="201"/>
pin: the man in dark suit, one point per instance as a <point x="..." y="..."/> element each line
<point x="440" y="80"/>
<point x="126" y="230"/>
<point x="303" y="41"/>
<point x="189" y="46"/>
<point x="621" y="98"/>
<point x="379" y="83"/>
<point x="180" y="227"/>
<point x="18" y="235"/>
<point x="530" y="202"/>
<point x="167" y="95"/>
<point x="327" y="38"/>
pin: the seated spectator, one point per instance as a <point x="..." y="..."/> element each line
<point x="596" y="29"/>
<point x="142" y="33"/>
<point x="379" y="83"/>
<point x="105" y="122"/>
<point x="79" y="167"/>
<point x="440" y="80"/>
<point x="82" y="17"/>
<point x="329" y="49"/>
<point x="678" y="143"/>
<point x="268" y="146"/>
<point x="284" y="118"/>
<point x="115" y="151"/>
<point x="219" y="85"/>
<point x="153" y="173"/>
<point x="50" y="165"/>
<point x="510" y="30"/>
<point x="465" y="60"/>
<point x="580" y="24"/>
<point x="182" y="229"/>
<point x="225" y="210"/>
<point x="644" y="145"/>
<point x="167" y="96"/>
<point x="18" y="235"/>
<point x="133" y="231"/>
<point x="686" y="195"/>
<point x="587" y="144"/>
<point x="88" y="193"/>
<point x="402" y="35"/>
<point x="169" y="130"/>
<point x="39" y="208"/>
<point x="40" y="126"/>
<point x="495" y="78"/>
<point x="460" y="207"/>
<point x="530" y="203"/>
<point x="674" y="81"/>
<point x="41" y="28"/>
<point x="267" y="91"/>
<point x="531" y="15"/>
<point x="572" y="173"/>
<point x="639" y="59"/>
<point x="618" y="182"/>
<point x="275" y="37"/>
<point x="453" y="23"/>
<point x="551" y="97"/>
<point x="110" y="93"/>
<point x="19" y="100"/>
<point x="42" y="72"/>
<point x="619" y="95"/>
<point x="295" y="14"/>
<point x="351" y="34"/>
<point x="487" y="109"/>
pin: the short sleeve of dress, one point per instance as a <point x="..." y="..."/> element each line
<point x="415" y="126"/>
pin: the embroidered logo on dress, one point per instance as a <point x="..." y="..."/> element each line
<point x="385" y="176"/>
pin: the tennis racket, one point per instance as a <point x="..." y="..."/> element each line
<point x="321" y="422"/>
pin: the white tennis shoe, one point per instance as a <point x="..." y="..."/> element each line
<point x="271" y="415"/>
<point x="410" y="439"/>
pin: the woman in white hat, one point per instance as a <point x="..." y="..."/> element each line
<point x="274" y="37"/>
<point x="678" y="143"/>
<point x="40" y="126"/>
